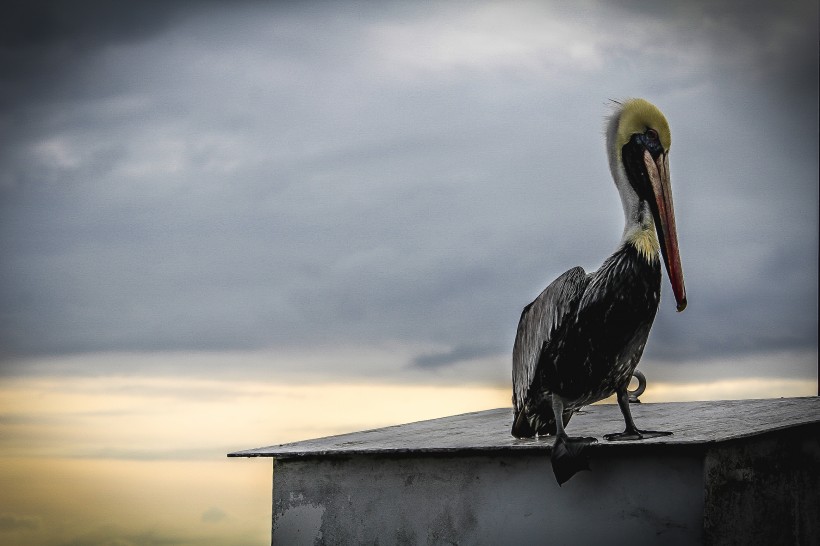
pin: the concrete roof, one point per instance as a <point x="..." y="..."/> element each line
<point x="692" y="423"/>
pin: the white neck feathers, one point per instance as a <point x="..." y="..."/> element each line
<point x="639" y="227"/>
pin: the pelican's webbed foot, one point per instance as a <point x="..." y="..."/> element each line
<point x="635" y="434"/>
<point x="632" y="432"/>
<point x="568" y="456"/>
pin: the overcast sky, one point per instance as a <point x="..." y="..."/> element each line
<point x="377" y="189"/>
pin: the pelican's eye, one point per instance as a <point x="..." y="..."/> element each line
<point x="652" y="135"/>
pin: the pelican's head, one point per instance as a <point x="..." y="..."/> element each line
<point x="638" y="141"/>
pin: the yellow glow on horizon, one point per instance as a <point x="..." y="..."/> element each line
<point x="110" y="501"/>
<point x="730" y="389"/>
<point x="104" y="460"/>
<point x="108" y="459"/>
<point x="122" y="416"/>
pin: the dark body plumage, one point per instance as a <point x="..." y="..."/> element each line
<point x="594" y="329"/>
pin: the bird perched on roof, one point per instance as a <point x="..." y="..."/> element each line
<point x="583" y="336"/>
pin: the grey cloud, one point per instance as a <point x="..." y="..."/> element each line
<point x="25" y="419"/>
<point x="455" y="355"/>
<point x="15" y="522"/>
<point x="213" y="515"/>
<point x="272" y="189"/>
<point x="114" y="534"/>
<point x="43" y="44"/>
<point x="45" y="22"/>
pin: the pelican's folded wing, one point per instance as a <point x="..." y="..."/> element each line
<point x="539" y="320"/>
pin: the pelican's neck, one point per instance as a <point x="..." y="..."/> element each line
<point x="639" y="227"/>
<point x="642" y="235"/>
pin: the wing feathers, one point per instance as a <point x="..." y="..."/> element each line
<point x="538" y="321"/>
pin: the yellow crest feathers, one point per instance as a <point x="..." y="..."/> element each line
<point x="638" y="115"/>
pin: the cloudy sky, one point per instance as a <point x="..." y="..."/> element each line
<point x="196" y="201"/>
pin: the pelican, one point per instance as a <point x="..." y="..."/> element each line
<point x="583" y="336"/>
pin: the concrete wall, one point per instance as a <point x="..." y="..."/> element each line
<point x="764" y="489"/>
<point x="632" y="497"/>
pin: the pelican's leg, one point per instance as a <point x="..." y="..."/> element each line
<point x="568" y="455"/>
<point x="632" y="432"/>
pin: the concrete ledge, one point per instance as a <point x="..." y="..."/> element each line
<point x="734" y="472"/>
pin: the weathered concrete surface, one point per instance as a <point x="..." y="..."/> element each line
<point x="764" y="490"/>
<point x="693" y="423"/>
<point x="510" y="499"/>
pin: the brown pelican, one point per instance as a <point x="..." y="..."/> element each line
<point x="582" y="337"/>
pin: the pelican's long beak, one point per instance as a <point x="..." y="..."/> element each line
<point x="658" y="171"/>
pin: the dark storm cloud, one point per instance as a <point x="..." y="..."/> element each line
<point x="292" y="176"/>
<point x="41" y="23"/>
<point x="42" y="43"/>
